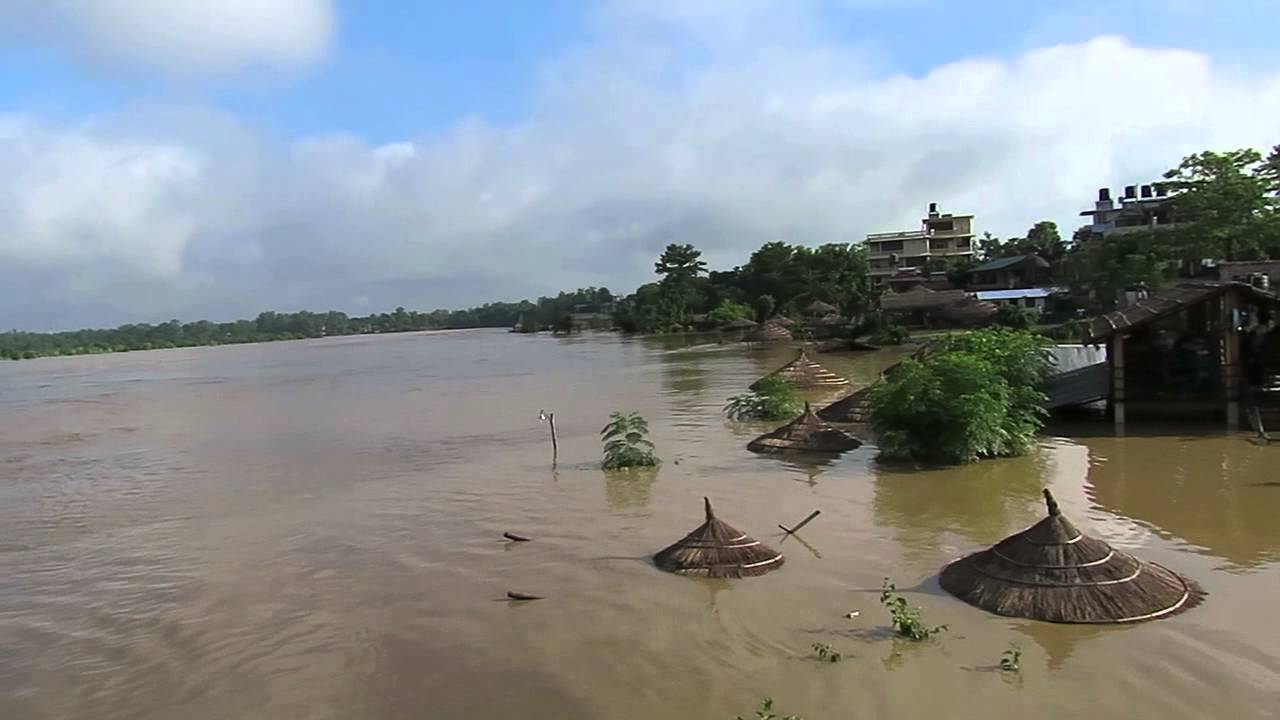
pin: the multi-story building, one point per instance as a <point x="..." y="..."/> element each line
<point x="940" y="236"/>
<point x="1141" y="208"/>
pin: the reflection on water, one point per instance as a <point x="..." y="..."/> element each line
<point x="982" y="502"/>
<point x="629" y="490"/>
<point x="1217" y="493"/>
<point x="313" y="530"/>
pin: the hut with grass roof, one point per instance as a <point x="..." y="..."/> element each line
<point x="717" y="549"/>
<point x="783" y="320"/>
<point x="818" y="309"/>
<point x="805" y="374"/>
<point x="1051" y="571"/>
<point x="740" y="324"/>
<point x="769" y="331"/>
<point x="806" y="434"/>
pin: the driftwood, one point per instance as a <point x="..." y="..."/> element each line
<point x="513" y="595"/>
<point x="515" y="537"/>
<point x="801" y="524"/>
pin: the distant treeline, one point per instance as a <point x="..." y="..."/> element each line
<point x="270" y="326"/>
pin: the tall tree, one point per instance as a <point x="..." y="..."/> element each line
<point x="1224" y="204"/>
<point x="680" y="262"/>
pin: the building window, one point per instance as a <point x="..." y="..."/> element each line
<point x="942" y="225"/>
<point x="915" y="261"/>
<point x="963" y="243"/>
<point x="1031" y="302"/>
<point x="889" y="246"/>
<point x="938" y="244"/>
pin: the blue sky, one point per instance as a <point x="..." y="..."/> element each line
<point x="180" y="158"/>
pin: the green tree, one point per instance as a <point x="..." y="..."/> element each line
<point x="764" y="306"/>
<point x="1224" y="203"/>
<point x="680" y="263"/>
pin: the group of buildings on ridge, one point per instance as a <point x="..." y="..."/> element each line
<point x="900" y="261"/>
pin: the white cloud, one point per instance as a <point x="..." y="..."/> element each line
<point x="193" y="214"/>
<point x="180" y="37"/>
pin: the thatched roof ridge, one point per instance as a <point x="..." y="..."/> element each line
<point x="717" y="549"/>
<point x="1167" y="302"/>
<point x="739" y="324"/>
<point x="1052" y="571"/>
<point x="805" y="373"/>
<point x="807" y="433"/>
<point x="769" y="331"/>
<point x="818" y="307"/>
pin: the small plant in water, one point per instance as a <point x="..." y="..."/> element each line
<point x="1011" y="659"/>
<point x="773" y="399"/>
<point x="906" y="619"/>
<point x="626" y="442"/>
<point x="765" y="712"/>
<point x="827" y="654"/>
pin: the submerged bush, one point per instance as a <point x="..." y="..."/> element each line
<point x="969" y="396"/>
<point x="728" y="311"/>
<point x="1017" y="318"/>
<point x="626" y="442"/>
<point x="773" y="399"/>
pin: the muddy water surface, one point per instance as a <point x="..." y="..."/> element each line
<point x="312" y="530"/>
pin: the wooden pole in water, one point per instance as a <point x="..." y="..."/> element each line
<point x="801" y="524"/>
<point x="555" y="446"/>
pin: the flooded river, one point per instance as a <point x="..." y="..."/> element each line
<point x="312" y="530"/>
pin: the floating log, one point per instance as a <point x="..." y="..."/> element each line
<point x="802" y="523"/>
<point x="513" y="595"/>
<point x="515" y="537"/>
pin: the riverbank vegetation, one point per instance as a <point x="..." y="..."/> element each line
<point x="968" y="396"/>
<point x="778" y="278"/>
<point x="272" y="326"/>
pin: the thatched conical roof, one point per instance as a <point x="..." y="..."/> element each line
<point x="1051" y="571"/>
<point x="806" y="433"/>
<point x="739" y="324"/>
<point x="717" y="549"/>
<point x="819" y="308"/>
<point x="804" y="373"/>
<point x="783" y="320"/>
<point x="770" y="331"/>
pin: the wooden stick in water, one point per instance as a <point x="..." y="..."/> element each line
<point x="555" y="446"/>
<point x="802" y="523"/>
<point x="515" y="537"/>
<point x="513" y="595"/>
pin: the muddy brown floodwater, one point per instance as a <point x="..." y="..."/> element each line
<point x="313" y="530"/>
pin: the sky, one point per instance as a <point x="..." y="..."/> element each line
<point x="183" y="159"/>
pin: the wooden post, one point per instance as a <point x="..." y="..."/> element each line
<point x="1230" y="359"/>
<point x="1117" y="381"/>
<point x="555" y="446"/>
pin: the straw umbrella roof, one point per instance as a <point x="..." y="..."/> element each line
<point x="804" y="373"/>
<point x="817" y="307"/>
<point x="806" y="433"/>
<point x="717" y="549"/>
<point x="739" y="324"/>
<point x="783" y="320"/>
<point x="1051" y="571"/>
<point x="770" y="331"/>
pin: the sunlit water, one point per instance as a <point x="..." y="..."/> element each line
<point x="313" y="530"/>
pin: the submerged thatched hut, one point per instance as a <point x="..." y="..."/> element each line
<point x="806" y="433"/>
<point x="804" y="373"/>
<point x="783" y="320"/>
<point x="770" y="331"/>
<point x="1051" y="571"/>
<point x="817" y="308"/>
<point x="716" y="549"/>
<point x="739" y="324"/>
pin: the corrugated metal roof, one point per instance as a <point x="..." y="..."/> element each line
<point x="1018" y="294"/>
<point x="1167" y="302"/>
<point x="1002" y="263"/>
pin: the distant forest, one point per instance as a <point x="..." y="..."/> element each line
<point x="270" y="326"/>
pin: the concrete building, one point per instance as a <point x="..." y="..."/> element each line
<point x="939" y="236"/>
<point x="1141" y="208"/>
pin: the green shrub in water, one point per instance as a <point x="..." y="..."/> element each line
<point x="969" y="396"/>
<point x="626" y="442"/>
<point x="906" y="619"/>
<point x="773" y="399"/>
<point x="765" y="712"/>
